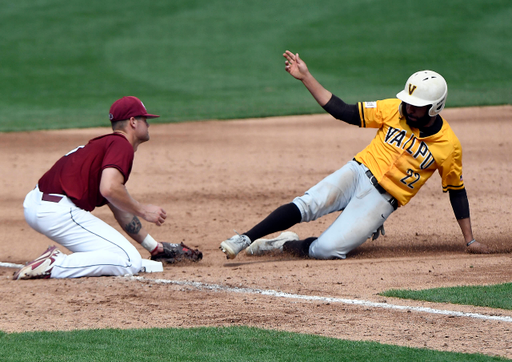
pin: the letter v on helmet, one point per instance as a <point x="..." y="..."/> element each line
<point x="412" y="88"/>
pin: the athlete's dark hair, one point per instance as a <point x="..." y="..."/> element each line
<point x="120" y="125"/>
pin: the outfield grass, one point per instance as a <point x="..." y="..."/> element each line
<point x="63" y="63"/>
<point x="206" y="344"/>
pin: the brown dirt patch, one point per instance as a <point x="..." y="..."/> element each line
<point x="213" y="177"/>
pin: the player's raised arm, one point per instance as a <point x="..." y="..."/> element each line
<point x="299" y="70"/>
<point x="330" y="103"/>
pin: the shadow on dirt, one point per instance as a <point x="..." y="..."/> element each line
<point x="371" y="250"/>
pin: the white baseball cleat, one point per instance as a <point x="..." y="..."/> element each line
<point x="263" y="246"/>
<point x="40" y="268"/>
<point x="234" y="245"/>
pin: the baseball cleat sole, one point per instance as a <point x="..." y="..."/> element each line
<point x="226" y="249"/>
<point x="234" y="245"/>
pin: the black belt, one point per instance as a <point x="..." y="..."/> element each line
<point x="374" y="182"/>
<point x="379" y="188"/>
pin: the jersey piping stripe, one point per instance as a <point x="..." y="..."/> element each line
<point x="361" y="112"/>
<point x="89" y="266"/>
<point x="453" y="187"/>
<point x="99" y="236"/>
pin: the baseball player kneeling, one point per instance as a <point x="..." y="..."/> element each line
<point x="412" y="142"/>
<point x="85" y="178"/>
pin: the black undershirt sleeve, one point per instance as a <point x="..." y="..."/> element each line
<point x="348" y="113"/>
<point x="460" y="203"/>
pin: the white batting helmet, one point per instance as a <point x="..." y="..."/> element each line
<point x="425" y="88"/>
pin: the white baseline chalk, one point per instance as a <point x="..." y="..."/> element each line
<point x="221" y="288"/>
<point x="11" y="265"/>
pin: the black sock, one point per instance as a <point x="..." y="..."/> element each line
<point x="280" y="219"/>
<point x="298" y="248"/>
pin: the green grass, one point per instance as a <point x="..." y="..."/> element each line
<point x="492" y="296"/>
<point x="63" y="63"/>
<point x="206" y="344"/>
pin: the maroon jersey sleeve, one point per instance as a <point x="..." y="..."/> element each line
<point x="119" y="155"/>
<point x="78" y="173"/>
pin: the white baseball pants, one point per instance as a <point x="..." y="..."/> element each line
<point x="364" y="210"/>
<point x="97" y="248"/>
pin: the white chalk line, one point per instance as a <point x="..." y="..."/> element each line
<point x="364" y="303"/>
<point x="274" y="293"/>
<point x="11" y="265"/>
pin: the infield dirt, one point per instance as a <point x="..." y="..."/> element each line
<point x="218" y="176"/>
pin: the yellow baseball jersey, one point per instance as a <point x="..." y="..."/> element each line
<point x="400" y="159"/>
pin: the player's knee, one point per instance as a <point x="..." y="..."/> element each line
<point x="132" y="257"/>
<point x="323" y="250"/>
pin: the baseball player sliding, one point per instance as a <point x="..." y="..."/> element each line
<point x="412" y="142"/>
<point x="85" y="178"/>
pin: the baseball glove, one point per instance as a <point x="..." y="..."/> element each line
<point x="174" y="253"/>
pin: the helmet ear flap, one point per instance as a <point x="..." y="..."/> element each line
<point x="437" y="107"/>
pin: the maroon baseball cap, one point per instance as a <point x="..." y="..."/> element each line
<point x="127" y="107"/>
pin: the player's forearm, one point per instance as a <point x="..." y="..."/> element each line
<point x="129" y="223"/>
<point x="460" y="205"/>
<point x="118" y="196"/>
<point x="465" y="227"/>
<point x="473" y="246"/>
<point x="133" y="227"/>
<point x="321" y="95"/>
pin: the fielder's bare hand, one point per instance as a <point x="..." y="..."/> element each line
<point x="478" y="248"/>
<point x="154" y="214"/>
<point x="295" y="66"/>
